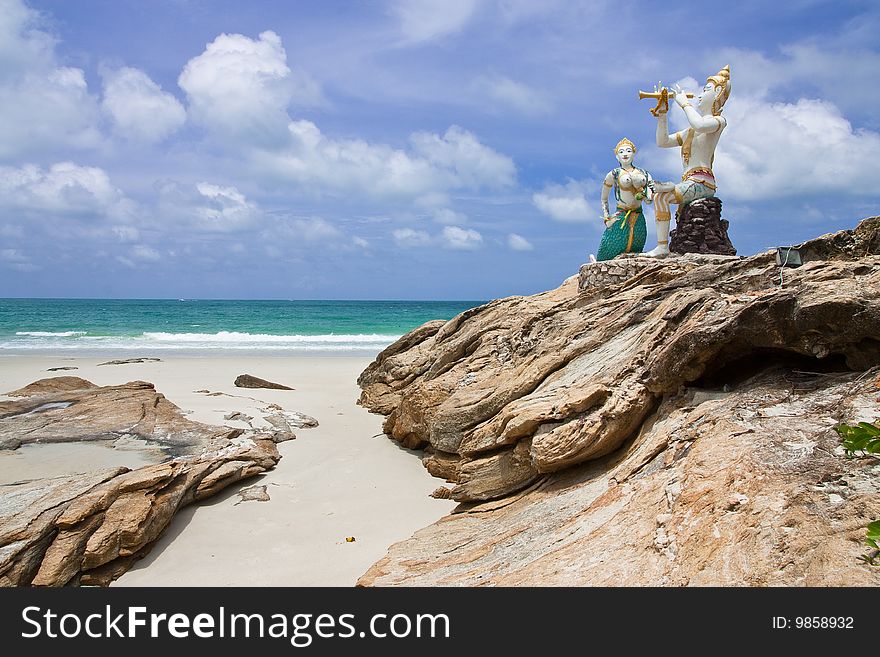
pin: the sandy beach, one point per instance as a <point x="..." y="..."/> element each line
<point x="340" y="479"/>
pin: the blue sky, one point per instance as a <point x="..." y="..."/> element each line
<point x="448" y="149"/>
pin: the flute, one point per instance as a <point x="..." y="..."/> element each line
<point x="659" y="94"/>
<point x="662" y="96"/>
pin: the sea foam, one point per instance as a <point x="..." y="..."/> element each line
<point x="50" y="334"/>
<point x="220" y="341"/>
<point x="233" y="337"/>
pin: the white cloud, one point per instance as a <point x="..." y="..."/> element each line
<point x="776" y="150"/>
<point x="461" y="153"/>
<point x="786" y="149"/>
<point x="12" y="255"/>
<point x="451" y="237"/>
<point x="518" y="243"/>
<point x="424" y="20"/>
<point x="515" y="11"/>
<point x="437" y="163"/>
<point x="46" y="111"/>
<point x="206" y="207"/>
<point x="224" y="209"/>
<point x="44" y="106"/>
<point x="408" y="238"/>
<point x="145" y="253"/>
<point x="23" y="41"/>
<point x="565" y="203"/>
<point x="138" y="106"/>
<point x="461" y="239"/>
<point x="300" y="233"/>
<point x="242" y="88"/>
<point x="837" y="71"/>
<point x="125" y="233"/>
<point x="360" y="242"/>
<point x="314" y="229"/>
<point x="64" y="189"/>
<point x="448" y="216"/>
<point x="517" y="95"/>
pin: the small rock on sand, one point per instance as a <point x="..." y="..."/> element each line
<point x="249" y="381"/>
<point x="289" y="420"/>
<point x="129" y="361"/>
<point x="253" y="494"/>
<point x="238" y="417"/>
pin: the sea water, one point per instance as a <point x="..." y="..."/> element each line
<point x="189" y="326"/>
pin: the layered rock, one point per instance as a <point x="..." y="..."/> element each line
<point x="745" y="488"/>
<point x="671" y="428"/>
<point x="88" y="528"/>
<point x="526" y="386"/>
<point x="71" y="409"/>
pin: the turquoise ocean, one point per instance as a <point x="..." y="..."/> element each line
<point x="209" y="327"/>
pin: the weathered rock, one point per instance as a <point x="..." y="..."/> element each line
<point x="70" y="409"/>
<point x="699" y="228"/>
<point x="248" y="381"/>
<point x="526" y="386"/>
<point x="237" y="416"/>
<point x="131" y="361"/>
<point x="290" y="420"/>
<point x="443" y="465"/>
<point x="634" y="267"/>
<point x="59" y="369"/>
<point x="89" y="528"/>
<point x="253" y="494"/>
<point x="441" y="493"/>
<point x="282" y="436"/>
<point x="746" y="488"/>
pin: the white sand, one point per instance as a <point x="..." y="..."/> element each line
<point x="336" y="480"/>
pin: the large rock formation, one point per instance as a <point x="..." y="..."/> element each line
<point x="672" y="428"/>
<point x="88" y="528"/>
<point x="741" y="488"/>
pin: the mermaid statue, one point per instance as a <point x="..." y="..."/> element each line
<point x="697" y="142"/>
<point x="625" y="230"/>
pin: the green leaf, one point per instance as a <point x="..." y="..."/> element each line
<point x="872" y="429"/>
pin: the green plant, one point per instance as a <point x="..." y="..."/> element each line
<point x="865" y="438"/>
<point x="872" y="540"/>
<point x="862" y="437"/>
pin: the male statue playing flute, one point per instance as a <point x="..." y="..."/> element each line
<point x="697" y="144"/>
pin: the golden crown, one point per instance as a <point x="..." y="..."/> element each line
<point x="625" y="142"/>
<point x="721" y="80"/>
